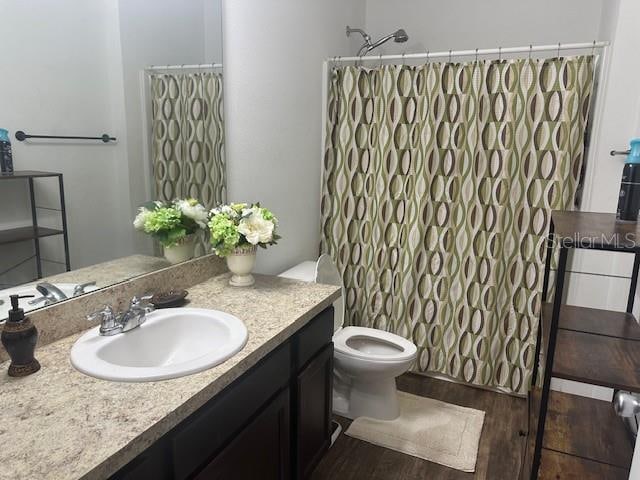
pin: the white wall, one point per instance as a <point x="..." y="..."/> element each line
<point x="213" y="31"/>
<point x="440" y="25"/>
<point x="55" y="80"/>
<point x="273" y="52"/>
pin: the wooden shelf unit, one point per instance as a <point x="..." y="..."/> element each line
<point x="19" y="234"/>
<point x="34" y="232"/>
<point x="560" y="466"/>
<point x="572" y="436"/>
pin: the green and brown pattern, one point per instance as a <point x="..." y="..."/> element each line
<point x="438" y="185"/>
<point x="188" y="139"/>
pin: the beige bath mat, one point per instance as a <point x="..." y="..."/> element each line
<point x="436" y="431"/>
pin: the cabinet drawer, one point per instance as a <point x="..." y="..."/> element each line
<point x="313" y="337"/>
<point x="206" y="431"/>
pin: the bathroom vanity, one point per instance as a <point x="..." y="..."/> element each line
<point x="263" y="413"/>
<point x="274" y="422"/>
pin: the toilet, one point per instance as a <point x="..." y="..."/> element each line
<point x="366" y="360"/>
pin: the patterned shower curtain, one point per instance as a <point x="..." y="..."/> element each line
<point x="188" y="139"/>
<point x="438" y="185"/>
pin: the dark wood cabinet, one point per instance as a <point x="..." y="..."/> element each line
<point x="313" y="395"/>
<point x="261" y="450"/>
<point x="153" y="463"/>
<point x="272" y="423"/>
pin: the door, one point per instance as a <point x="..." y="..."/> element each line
<point x="314" y="390"/>
<point x="261" y="450"/>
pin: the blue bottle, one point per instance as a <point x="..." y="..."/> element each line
<point x="6" y="159"/>
<point x="629" y="197"/>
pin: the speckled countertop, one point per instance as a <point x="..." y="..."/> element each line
<point x="60" y="424"/>
<point x="110" y="272"/>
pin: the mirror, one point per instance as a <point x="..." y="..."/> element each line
<point x="106" y="106"/>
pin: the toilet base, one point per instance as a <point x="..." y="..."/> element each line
<point x="375" y="399"/>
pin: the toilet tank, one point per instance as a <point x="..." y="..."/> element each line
<point x="309" y="271"/>
<point x="305" y="271"/>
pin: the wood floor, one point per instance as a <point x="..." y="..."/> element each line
<point x="499" y="456"/>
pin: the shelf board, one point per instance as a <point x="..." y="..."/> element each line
<point x="608" y="361"/>
<point x="560" y="466"/>
<point x="586" y="428"/>
<point x="27" y="174"/>
<point x="596" y="321"/>
<point x="13" y="235"/>
<point x="597" y="360"/>
<point x="582" y="435"/>
<point x="599" y="231"/>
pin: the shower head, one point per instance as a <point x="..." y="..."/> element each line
<point x="399" y="36"/>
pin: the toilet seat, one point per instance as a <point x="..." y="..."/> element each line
<point x="373" y="345"/>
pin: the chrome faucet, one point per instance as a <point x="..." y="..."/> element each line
<point x="80" y="288"/>
<point x="50" y="294"/>
<point x="112" y="323"/>
<point x="49" y="290"/>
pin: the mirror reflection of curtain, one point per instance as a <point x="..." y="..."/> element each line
<point x="439" y="181"/>
<point x="188" y="139"/>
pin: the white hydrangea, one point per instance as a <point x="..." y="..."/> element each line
<point x="141" y="218"/>
<point x="254" y="227"/>
<point x="194" y="210"/>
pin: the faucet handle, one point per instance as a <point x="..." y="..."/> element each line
<point x="105" y="311"/>
<point x="143" y="303"/>
<point x="108" y="321"/>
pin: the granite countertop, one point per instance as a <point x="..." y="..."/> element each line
<point x="61" y="424"/>
<point x="110" y="272"/>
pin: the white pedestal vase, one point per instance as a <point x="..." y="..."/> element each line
<point x="240" y="263"/>
<point x="182" y="251"/>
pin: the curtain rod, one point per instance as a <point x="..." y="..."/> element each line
<point x="479" y="51"/>
<point x="183" y="67"/>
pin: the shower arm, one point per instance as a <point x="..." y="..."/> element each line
<point x="368" y="45"/>
<point x="364" y="34"/>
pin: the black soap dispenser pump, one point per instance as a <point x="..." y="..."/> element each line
<point x="19" y="337"/>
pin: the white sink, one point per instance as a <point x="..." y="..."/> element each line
<point x="171" y="343"/>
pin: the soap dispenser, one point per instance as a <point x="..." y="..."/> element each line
<point x="19" y="337"/>
<point x="629" y="196"/>
<point x="6" y="160"/>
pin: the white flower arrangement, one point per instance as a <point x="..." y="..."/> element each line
<point x="170" y="223"/>
<point x="241" y="224"/>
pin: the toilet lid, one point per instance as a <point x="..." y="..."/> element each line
<point x="373" y="344"/>
<point x="327" y="273"/>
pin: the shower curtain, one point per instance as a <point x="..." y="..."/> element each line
<point x="438" y="183"/>
<point x="187" y="139"/>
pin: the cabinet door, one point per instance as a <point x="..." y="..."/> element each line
<point x="314" y="390"/>
<point x="153" y="463"/>
<point x="261" y="450"/>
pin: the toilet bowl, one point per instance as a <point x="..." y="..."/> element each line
<point x="366" y="360"/>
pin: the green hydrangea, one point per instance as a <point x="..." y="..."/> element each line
<point x="224" y="234"/>
<point x="267" y="215"/>
<point x="165" y="218"/>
